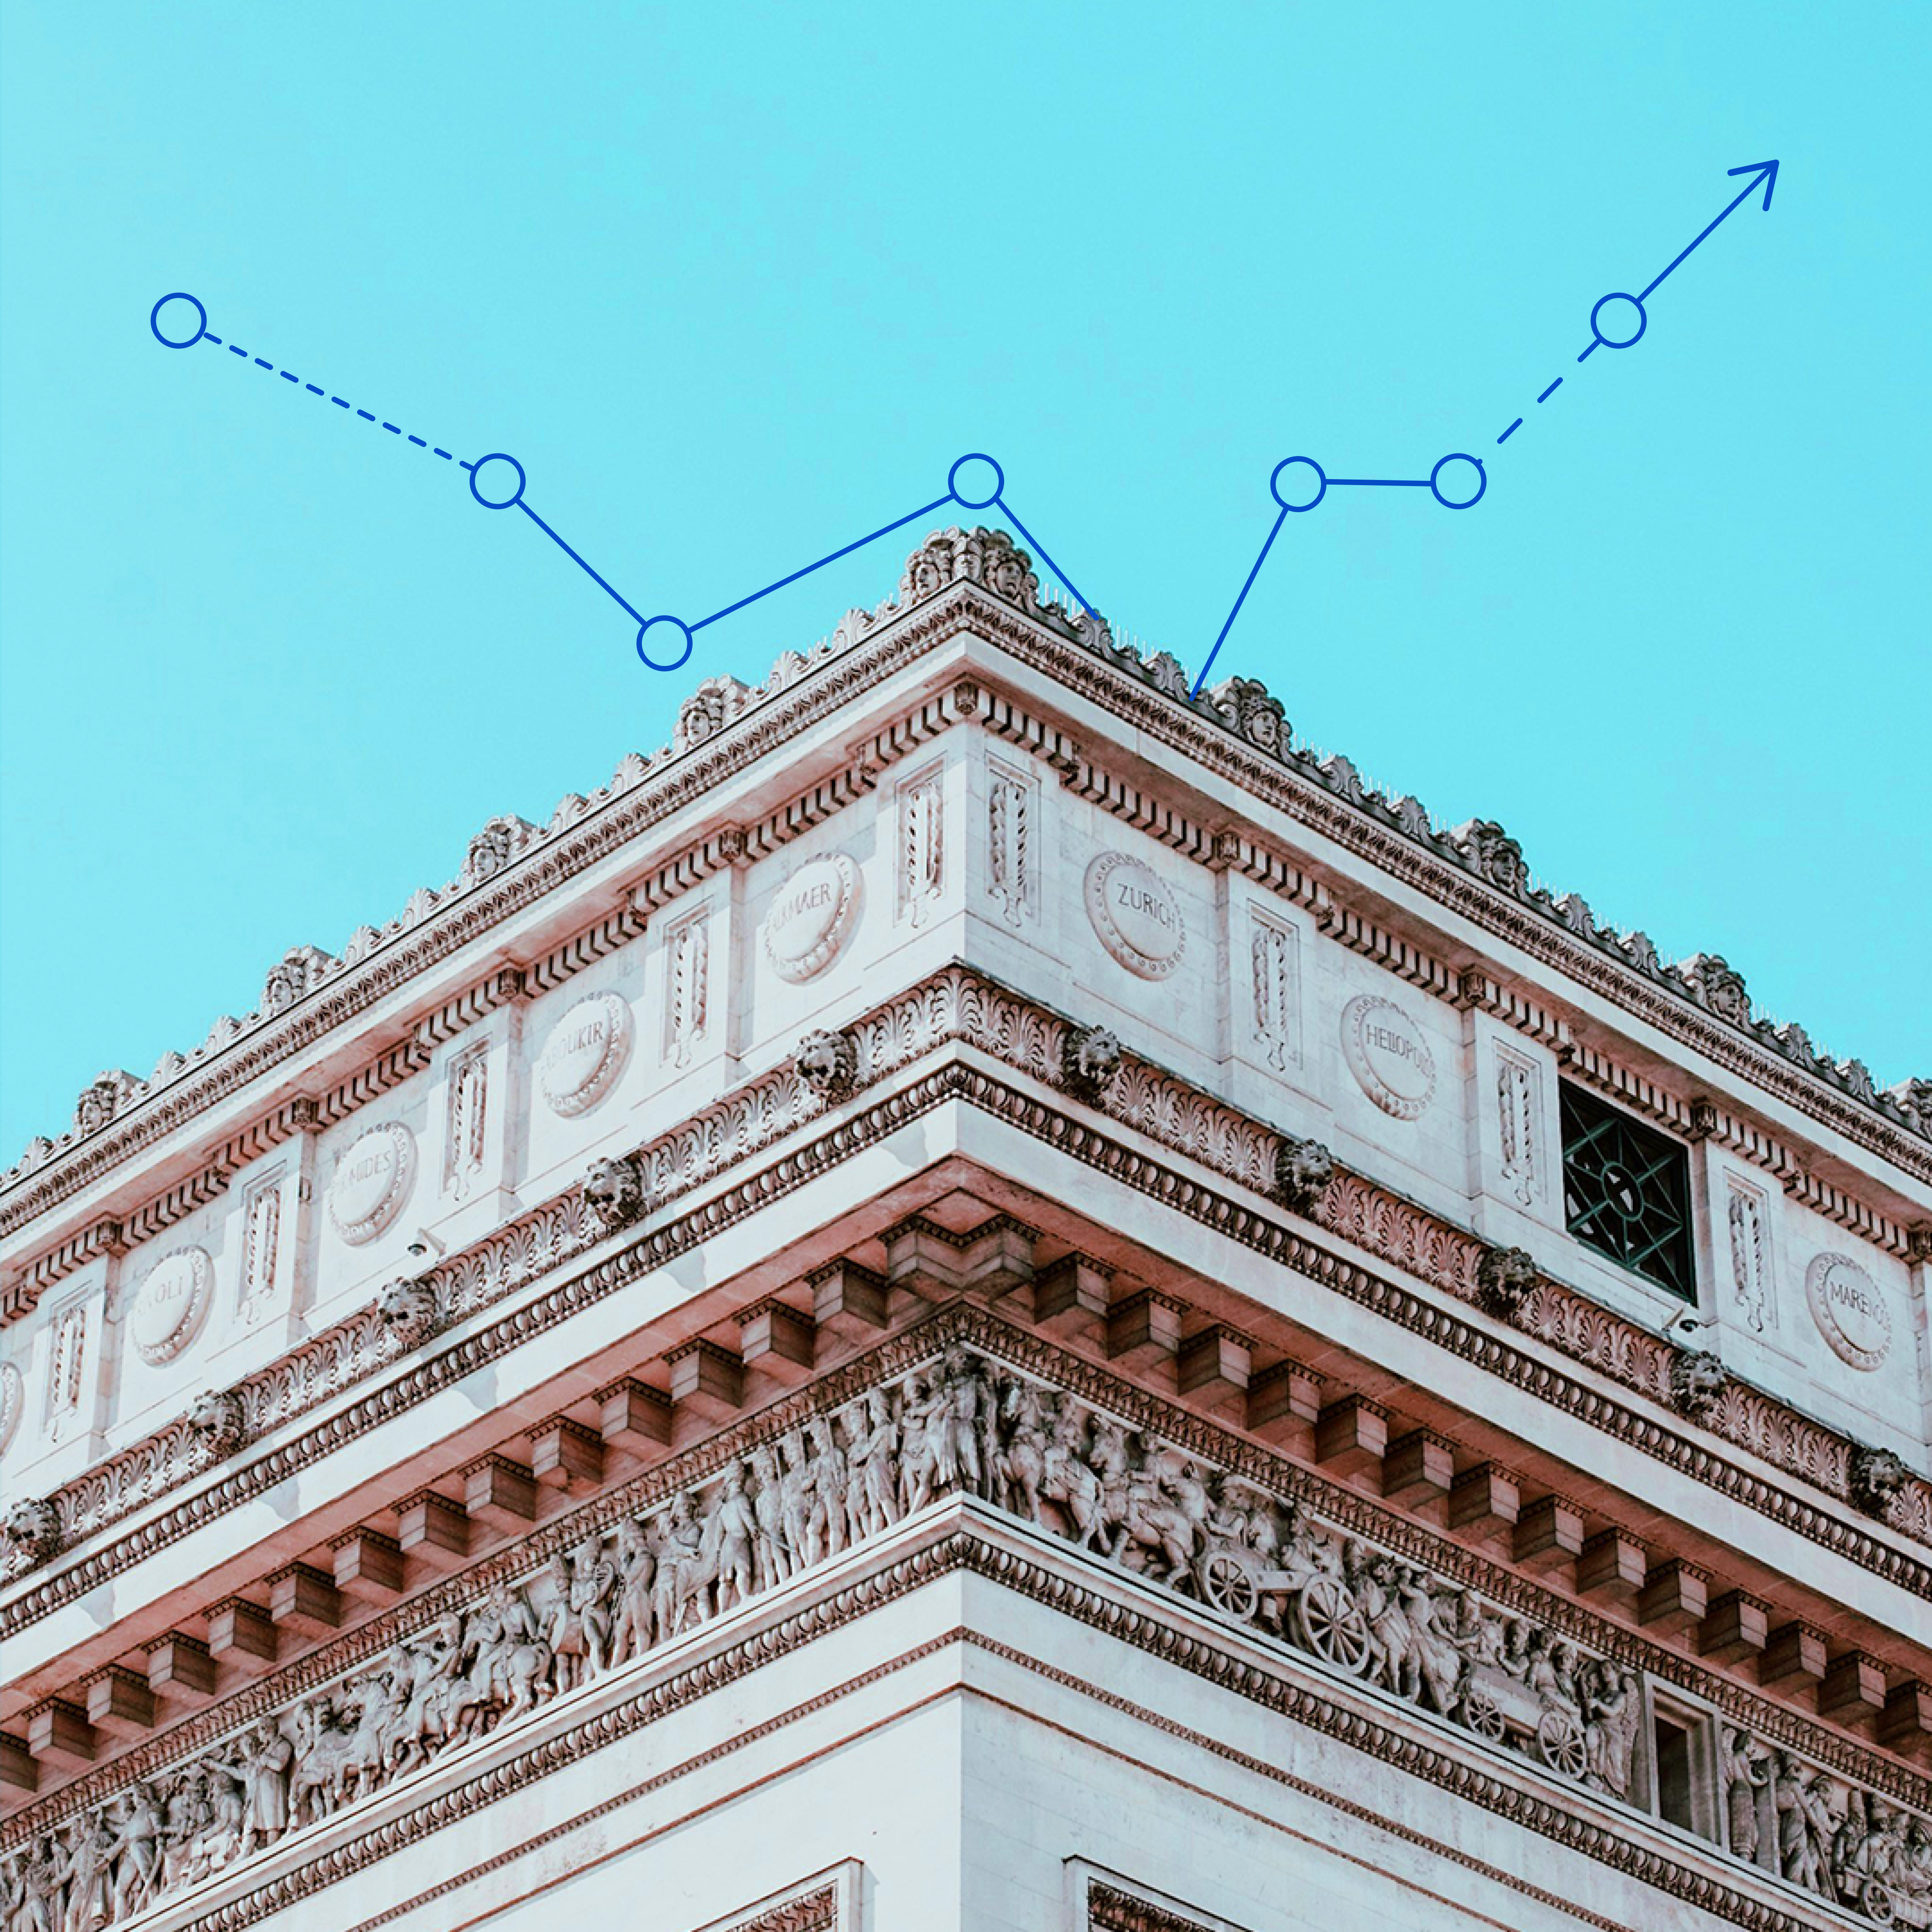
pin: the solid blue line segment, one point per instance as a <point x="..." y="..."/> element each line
<point x="1551" y="391"/>
<point x="1274" y="531"/>
<point x="1763" y="174"/>
<point x="573" y="557"/>
<point x="884" y="529"/>
<point x="1008" y="509"/>
<point x="1379" y="482"/>
<point x="1511" y="431"/>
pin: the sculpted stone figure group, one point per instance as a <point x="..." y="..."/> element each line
<point x="962" y="1423"/>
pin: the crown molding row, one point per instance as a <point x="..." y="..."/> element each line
<point x="957" y="1006"/>
<point x="1236" y="732"/>
<point x="1053" y="1567"/>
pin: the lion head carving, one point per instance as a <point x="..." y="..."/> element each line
<point x="613" y="1190"/>
<point x="1504" y="1279"/>
<point x="1303" y="1169"/>
<point x="828" y="1063"/>
<point x="1090" y="1061"/>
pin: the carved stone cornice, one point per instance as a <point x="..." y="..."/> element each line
<point x="1218" y="1641"/>
<point x="959" y="1005"/>
<point x="1701" y="1005"/>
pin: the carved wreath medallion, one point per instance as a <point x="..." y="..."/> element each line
<point x="371" y="1182"/>
<point x="1388" y="1053"/>
<point x="1849" y="1310"/>
<point x="587" y="1050"/>
<point x="171" y="1305"/>
<point x="1137" y="919"/>
<point x="812" y="916"/>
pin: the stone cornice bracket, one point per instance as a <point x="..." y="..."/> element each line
<point x="596" y="941"/>
<point x="1505" y="1279"/>
<point x="23" y="1293"/>
<point x="389" y="1068"/>
<point x="719" y="850"/>
<point x="1395" y="955"/>
<point x="496" y="989"/>
<point x="153" y="1217"/>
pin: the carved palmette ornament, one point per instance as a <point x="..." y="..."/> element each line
<point x="586" y="1053"/>
<point x="371" y="1182"/>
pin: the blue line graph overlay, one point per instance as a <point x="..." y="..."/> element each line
<point x="497" y="482"/>
<point x="1617" y="321"/>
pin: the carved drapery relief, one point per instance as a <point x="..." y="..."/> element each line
<point x="467" y="1121"/>
<point x="1009" y="841"/>
<point x="261" y="1239"/>
<point x="687" y="986"/>
<point x="921" y="844"/>
<point x="1275" y="967"/>
<point x="1750" y="1257"/>
<point x="1518" y="1124"/>
<point x="818" y="1482"/>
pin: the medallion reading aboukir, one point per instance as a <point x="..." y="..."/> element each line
<point x="585" y="1052"/>
<point x="372" y="1181"/>
<point x="1849" y="1310"/>
<point x="1388" y="1053"/>
<point x="169" y="1310"/>
<point x="1137" y="918"/>
<point x="812" y="917"/>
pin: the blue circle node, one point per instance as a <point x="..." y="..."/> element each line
<point x="1463" y="502"/>
<point x="959" y="497"/>
<point x="1279" y="480"/>
<point x="1617" y="318"/>
<point x="175" y="341"/>
<point x="660" y="624"/>
<point x="491" y="492"/>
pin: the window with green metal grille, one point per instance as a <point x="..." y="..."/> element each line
<point x="1627" y="1192"/>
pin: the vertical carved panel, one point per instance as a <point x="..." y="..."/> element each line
<point x="687" y="987"/>
<point x="1750" y="1259"/>
<point x="66" y="1364"/>
<point x="468" y="1098"/>
<point x="261" y="1233"/>
<point x="1275" y="962"/>
<point x="1010" y="837"/>
<point x="1520" y="1125"/>
<point x="921" y="852"/>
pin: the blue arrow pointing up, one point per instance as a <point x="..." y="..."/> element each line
<point x="1765" y="172"/>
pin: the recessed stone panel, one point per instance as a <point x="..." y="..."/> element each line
<point x="1849" y="1309"/>
<point x="1135" y="915"/>
<point x="812" y="916"/>
<point x="1388" y="1052"/>
<point x="587" y="1050"/>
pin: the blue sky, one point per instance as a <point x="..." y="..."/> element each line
<point x="737" y="284"/>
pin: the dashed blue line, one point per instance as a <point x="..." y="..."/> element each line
<point x="1551" y="391"/>
<point x="1511" y="431"/>
<point x="208" y="336"/>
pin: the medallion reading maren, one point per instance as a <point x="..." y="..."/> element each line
<point x="1137" y="918"/>
<point x="586" y="1051"/>
<point x="371" y="1182"/>
<point x="812" y="916"/>
<point x="172" y="1303"/>
<point x="1849" y="1310"/>
<point x="1388" y="1053"/>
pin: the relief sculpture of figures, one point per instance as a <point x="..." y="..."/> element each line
<point x="819" y="1483"/>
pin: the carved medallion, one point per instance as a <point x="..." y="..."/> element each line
<point x="812" y="917"/>
<point x="13" y="1399"/>
<point x="588" y="1048"/>
<point x="372" y="1181"/>
<point x="1138" y="918"/>
<point x="1849" y="1310"/>
<point x="1388" y="1053"/>
<point x="171" y="1305"/>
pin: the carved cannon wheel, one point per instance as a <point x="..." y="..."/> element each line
<point x="1228" y="1582"/>
<point x="1877" y="1903"/>
<point x="1559" y="1743"/>
<point x="1335" y="1628"/>
<point x="1481" y="1712"/>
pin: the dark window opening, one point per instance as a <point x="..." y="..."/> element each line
<point x="1672" y="1756"/>
<point x="1627" y="1192"/>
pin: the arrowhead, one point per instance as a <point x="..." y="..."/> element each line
<point x="1768" y="169"/>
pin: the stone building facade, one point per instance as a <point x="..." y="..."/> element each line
<point x="982" y="1296"/>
